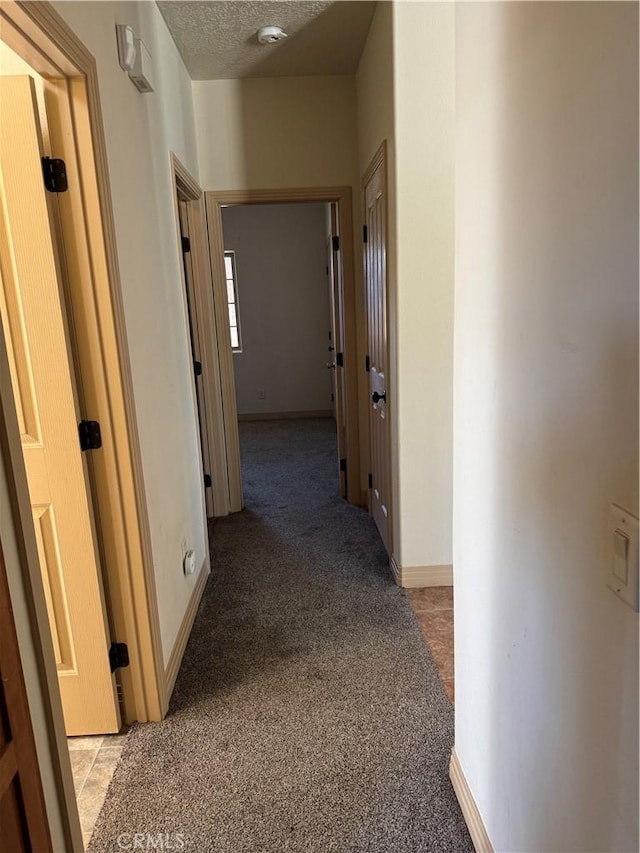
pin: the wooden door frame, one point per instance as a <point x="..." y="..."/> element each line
<point x="188" y="190"/>
<point x="38" y="34"/>
<point x="19" y="755"/>
<point x="380" y="158"/>
<point x="215" y="200"/>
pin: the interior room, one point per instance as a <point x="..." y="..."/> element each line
<point x="319" y="426"/>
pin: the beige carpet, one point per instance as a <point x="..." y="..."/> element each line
<point x="308" y="715"/>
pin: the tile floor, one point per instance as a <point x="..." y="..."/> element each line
<point x="433" y="607"/>
<point x="93" y="760"/>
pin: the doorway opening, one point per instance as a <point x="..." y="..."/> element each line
<point x="286" y="331"/>
<point x="282" y="265"/>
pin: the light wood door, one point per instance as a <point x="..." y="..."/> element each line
<point x="23" y="817"/>
<point x="194" y="336"/>
<point x="376" y="298"/>
<point x="35" y="326"/>
<point x="338" y="343"/>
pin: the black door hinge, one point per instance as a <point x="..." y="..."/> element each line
<point x="327" y="270"/>
<point x="343" y="465"/>
<point x="335" y="243"/>
<point x="90" y="435"/>
<point x="339" y="359"/>
<point x="365" y="234"/>
<point x="197" y="368"/>
<point x="207" y="481"/>
<point x="186" y="245"/>
<point x="370" y="481"/>
<point x="54" y="173"/>
<point x="367" y="363"/>
<point x="118" y="656"/>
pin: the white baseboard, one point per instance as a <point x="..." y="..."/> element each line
<point x="412" y="577"/>
<point x="284" y="416"/>
<point x="468" y="806"/>
<point x="177" y="653"/>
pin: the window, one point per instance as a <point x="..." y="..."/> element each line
<point x="232" y="299"/>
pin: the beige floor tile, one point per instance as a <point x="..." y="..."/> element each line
<point x="109" y="754"/>
<point x="81" y="763"/>
<point x="443" y="659"/>
<point x="95" y="787"/>
<point x="114" y="740"/>
<point x="93" y="742"/>
<point x="431" y="598"/>
<point x="449" y="686"/>
<point x="433" y="608"/>
<point x="437" y="624"/>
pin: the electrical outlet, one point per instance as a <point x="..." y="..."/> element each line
<point x="189" y="563"/>
<point x="261" y="394"/>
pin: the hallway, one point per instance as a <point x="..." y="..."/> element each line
<point x="308" y="714"/>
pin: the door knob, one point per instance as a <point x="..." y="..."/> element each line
<point x="330" y="365"/>
<point x="377" y="397"/>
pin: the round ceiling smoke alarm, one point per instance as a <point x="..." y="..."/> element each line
<point x="270" y="35"/>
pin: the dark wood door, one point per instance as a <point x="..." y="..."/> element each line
<point x="23" y="819"/>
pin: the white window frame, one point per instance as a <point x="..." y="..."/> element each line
<point x="229" y="253"/>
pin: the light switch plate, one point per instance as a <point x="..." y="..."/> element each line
<point x="622" y="576"/>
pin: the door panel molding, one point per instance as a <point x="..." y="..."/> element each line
<point x="342" y="196"/>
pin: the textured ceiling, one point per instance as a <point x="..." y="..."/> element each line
<point x="217" y="39"/>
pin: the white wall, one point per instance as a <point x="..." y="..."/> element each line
<point x="424" y="110"/>
<point x="140" y="131"/>
<point x="546" y="419"/>
<point x="276" y="132"/>
<point x="405" y="89"/>
<point x="283" y="293"/>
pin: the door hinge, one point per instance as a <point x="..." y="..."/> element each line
<point x="370" y="481"/>
<point x="54" y="173"/>
<point x="343" y="465"/>
<point x="90" y="435"/>
<point x="207" y="481"/>
<point x="186" y="245"/>
<point x="367" y="363"/>
<point x="335" y="243"/>
<point x="339" y="359"/>
<point x="118" y="656"/>
<point x="365" y="234"/>
<point x="197" y="368"/>
<point x="326" y="270"/>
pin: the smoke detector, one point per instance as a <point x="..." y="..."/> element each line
<point x="270" y="35"/>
